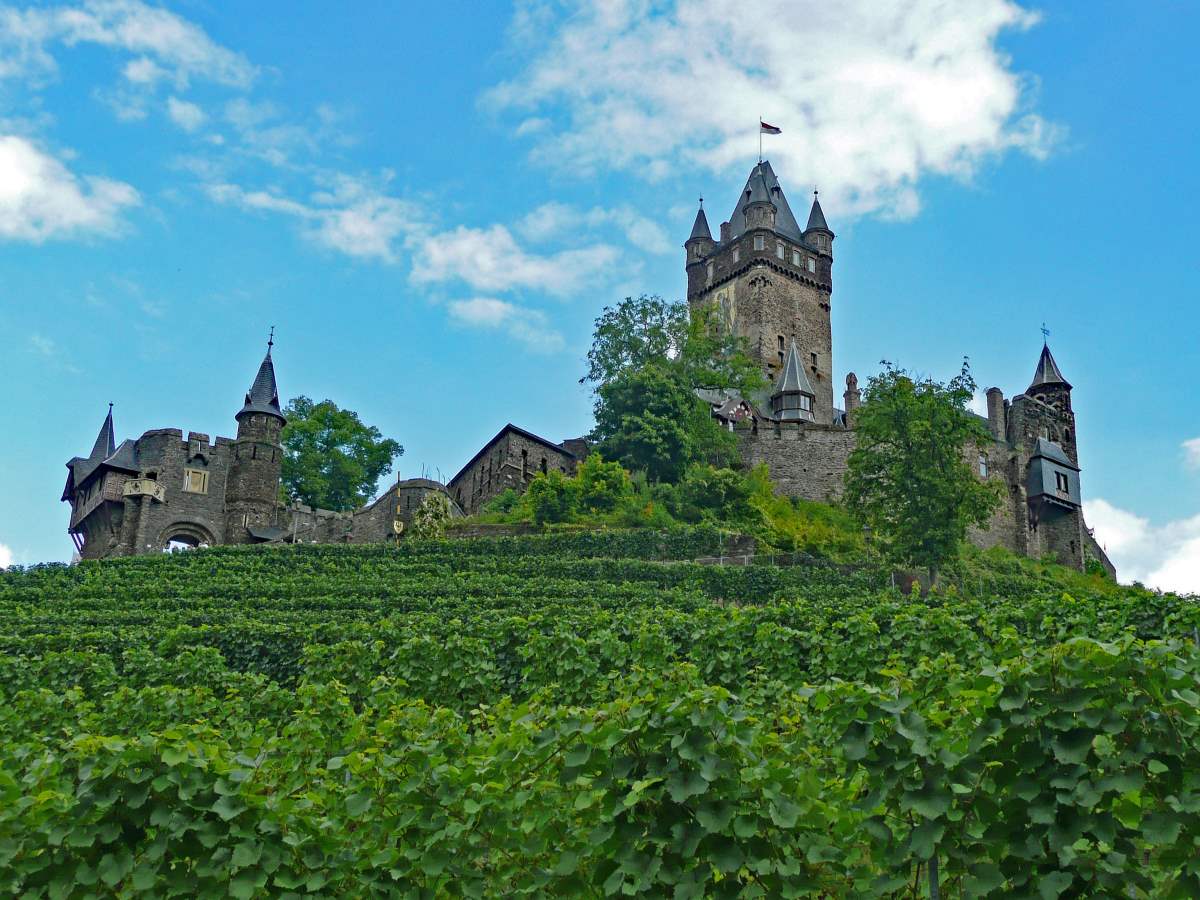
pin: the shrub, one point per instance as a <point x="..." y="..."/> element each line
<point x="552" y="497"/>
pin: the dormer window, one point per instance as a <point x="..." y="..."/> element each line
<point x="760" y="242"/>
<point x="806" y="402"/>
<point x="1061" y="483"/>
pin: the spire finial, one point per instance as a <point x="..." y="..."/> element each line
<point x="271" y="339"/>
<point x="110" y="407"/>
<point x="1045" y="334"/>
<point x="702" y="203"/>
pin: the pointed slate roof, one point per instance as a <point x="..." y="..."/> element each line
<point x="105" y="441"/>
<point x="793" y="380"/>
<point x="1047" y="449"/>
<point x="700" y="227"/>
<point x="816" y="217"/>
<point x="1048" y="372"/>
<point x="263" y="396"/>
<point x="104" y="453"/>
<point x="763" y="185"/>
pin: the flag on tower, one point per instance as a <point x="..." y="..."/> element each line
<point x="764" y="128"/>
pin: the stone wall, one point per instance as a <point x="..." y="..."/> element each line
<point x="805" y="460"/>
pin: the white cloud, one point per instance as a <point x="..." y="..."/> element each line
<point x="187" y="116"/>
<point x="41" y="199"/>
<point x="1191" y="453"/>
<point x="870" y="94"/>
<point x="1166" y="557"/>
<point x="529" y="326"/>
<point x="164" y="43"/>
<point x="555" y="220"/>
<point x="490" y="259"/>
<point x="350" y="216"/>
<point x="6" y="557"/>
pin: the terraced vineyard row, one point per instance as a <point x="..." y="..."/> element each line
<point x="577" y="715"/>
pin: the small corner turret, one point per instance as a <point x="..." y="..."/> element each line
<point x="818" y="233"/>
<point x="700" y="242"/>
<point x="252" y="492"/>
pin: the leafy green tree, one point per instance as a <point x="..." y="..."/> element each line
<point x="713" y="357"/>
<point x="331" y="459"/>
<point x="634" y="333"/>
<point x="641" y="421"/>
<point x="552" y="497"/>
<point x="602" y="485"/>
<point x="908" y="478"/>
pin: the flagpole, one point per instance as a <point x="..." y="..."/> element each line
<point x="760" y="139"/>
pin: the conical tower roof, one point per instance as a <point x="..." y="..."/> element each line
<point x="793" y="380"/>
<point x="816" y="217"/>
<point x="106" y="440"/>
<point x="263" y="396"/>
<point x="1047" y="372"/>
<point x="763" y="185"/>
<point x="700" y="227"/>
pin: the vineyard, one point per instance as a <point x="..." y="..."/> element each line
<point x="586" y="715"/>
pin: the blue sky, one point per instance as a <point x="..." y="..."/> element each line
<point x="432" y="208"/>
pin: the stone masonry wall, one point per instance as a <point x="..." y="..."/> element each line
<point x="805" y="460"/>
<point x="511" y="462"/>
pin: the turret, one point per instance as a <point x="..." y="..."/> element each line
<point x="852" y="398"/>
<point x="817" y="233"/>
<point x="700" y="242"/>
<point x="758" y="206"/>
<point x="997" y="417"/>
<point x="792" y="399"/>
<point x="1048" y="384"/>
<point x="252" y="492"/>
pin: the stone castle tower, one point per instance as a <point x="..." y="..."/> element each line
<point x="252" y="492"/>
<point x="771" y="283"/>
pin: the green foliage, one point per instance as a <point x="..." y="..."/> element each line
<point x="432" y="516"/>
<point x="908" y="478"/>
<point x="648" y="358"/>
<point x="331" y="459"/>
<point x="553" y="497"/>
<point x="566" y="715"/>
<point x="603" y="486"/>
<point x="634" y="334"/>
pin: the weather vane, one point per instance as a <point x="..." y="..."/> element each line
<point x="1045" y="332"/>
<point x="271" y="338"/>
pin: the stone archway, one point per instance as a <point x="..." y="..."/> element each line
<point x="180" y="535"/>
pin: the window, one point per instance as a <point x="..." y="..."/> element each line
<point x="760" y="242"/>
<point x="195" y="481"/>
<point x="812" y="264"/>
<point x="524" y="463"/>
<point x="780" y="250"/>
<point x="781" y="342"/>
<point x="813" y="357"/>
<point x="781" y="359"/>
<point x="543" y="465"/>
<point x="1061" y="482"/>
<point x="806" y="402"/>
<point x="983" y="469"/>
<point x="710" y="271"/>
<point x="795" y="257"/>
<point x="737" y="253"/>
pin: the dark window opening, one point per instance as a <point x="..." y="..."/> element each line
<point x="1061" y="482"/>
<point x="544" y="468"/>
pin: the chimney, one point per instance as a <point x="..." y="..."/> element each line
<point x="852" y="397"/>
<point x="726" y="232"/>
<point x="997" y="423"/>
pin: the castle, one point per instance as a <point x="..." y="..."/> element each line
<point x="772" y="284"/>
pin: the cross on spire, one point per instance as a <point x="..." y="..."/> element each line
<point x="1045" y="333"/>
<point x="271" y="339"/>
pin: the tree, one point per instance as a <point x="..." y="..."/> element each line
<point x="331" y="459"/>
<point x="647" y="360"/>
<point x="634" y="333"/>
<point x="552" y="497"/>
<point x="908" y="479"/>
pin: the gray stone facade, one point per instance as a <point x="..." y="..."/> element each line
<point x="511" y="460"/>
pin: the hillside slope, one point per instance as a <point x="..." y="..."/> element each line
<point x="571" y="714"/>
